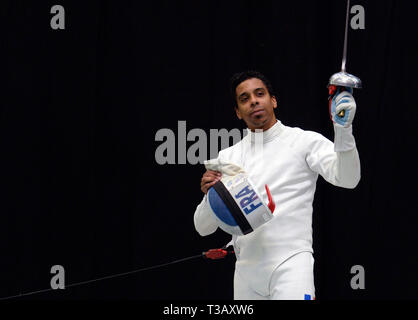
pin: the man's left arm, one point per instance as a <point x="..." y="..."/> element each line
<point x="338" y="162"/>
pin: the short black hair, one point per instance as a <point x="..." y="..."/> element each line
<point x="239" y="77"/>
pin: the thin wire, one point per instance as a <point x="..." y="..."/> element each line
<point x="104" y="278"/>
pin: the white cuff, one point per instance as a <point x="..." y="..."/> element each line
<point x="343" y="138"/>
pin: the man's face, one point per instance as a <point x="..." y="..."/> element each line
<point x="255" y="105"/>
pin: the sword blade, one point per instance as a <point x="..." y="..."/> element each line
<point x="345" y="37"/>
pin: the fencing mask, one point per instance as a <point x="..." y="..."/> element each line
<point x="235" y="203"/>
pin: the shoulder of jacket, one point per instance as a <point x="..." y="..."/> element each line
<point x="301" y="137"/>
<point x="293" y="133"/>
<point x="305" y="133"/>
<point x="230" y="149"/>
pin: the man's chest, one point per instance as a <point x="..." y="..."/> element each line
<point x="278" y="165"/>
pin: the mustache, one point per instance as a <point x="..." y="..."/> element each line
<point x="257" y="109"/>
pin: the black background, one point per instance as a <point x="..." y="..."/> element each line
<point x="80" y="108"/>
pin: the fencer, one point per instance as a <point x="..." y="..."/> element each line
<point x="274" y="258"/>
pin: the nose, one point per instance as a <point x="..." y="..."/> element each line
<point x="253" y="100"/>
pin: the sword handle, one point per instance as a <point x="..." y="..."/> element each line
<point x="332" y="90"/>
<point x="341" y="114"/>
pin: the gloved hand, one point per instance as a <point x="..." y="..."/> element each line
<point x="343" y="101"/>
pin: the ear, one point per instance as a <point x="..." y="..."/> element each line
<point x="238" y="113"/>
<point x="273" y="98"/>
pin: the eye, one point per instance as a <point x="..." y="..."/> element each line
<point x="260" y="93"/>
<point x="243" y="98"/>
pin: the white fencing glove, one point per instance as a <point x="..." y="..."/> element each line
<point x="342" y="107"/>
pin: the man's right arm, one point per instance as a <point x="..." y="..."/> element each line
<point x="204" y="221"/>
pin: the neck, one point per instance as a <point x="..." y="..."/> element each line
<point x="265" y="135"/>
<point x="265" y="126"/>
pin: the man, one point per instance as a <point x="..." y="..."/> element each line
<point x="275" y="260"/>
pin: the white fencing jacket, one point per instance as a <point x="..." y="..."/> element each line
<point x="288" y="160"/>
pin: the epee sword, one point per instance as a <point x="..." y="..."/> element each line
<point x="343" y="79"/>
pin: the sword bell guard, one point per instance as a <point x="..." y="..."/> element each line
<point x="344" y="79"/>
